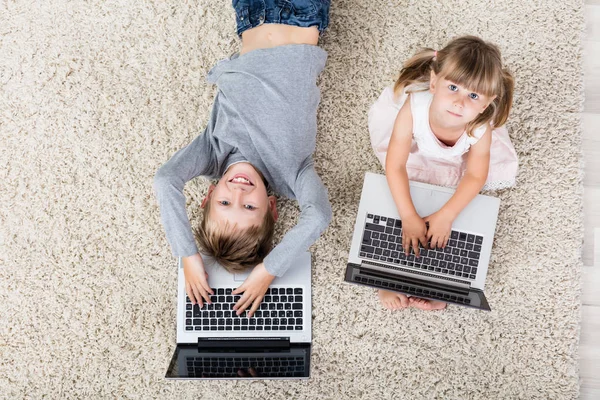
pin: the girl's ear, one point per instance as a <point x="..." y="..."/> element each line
<point x="432" y="81"/>
<point x="210" y="190"/>
<point x="491" y="100"/>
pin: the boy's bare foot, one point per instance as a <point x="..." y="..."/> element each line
<point x="423" y="304"/>
<point x="393" y="300"/>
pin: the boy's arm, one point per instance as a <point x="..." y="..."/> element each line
<point x="195" y="159"/>
<point x="315" y="216"/>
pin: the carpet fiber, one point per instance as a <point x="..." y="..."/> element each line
<point x="96" y="95"/>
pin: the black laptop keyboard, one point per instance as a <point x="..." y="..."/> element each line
<point x="382" y="241"/>
<point x="280" y="310"/>
<point x="222" y="367"/>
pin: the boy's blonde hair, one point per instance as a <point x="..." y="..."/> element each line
<point x="470" y="62"/>
<point x="235" y="249"/>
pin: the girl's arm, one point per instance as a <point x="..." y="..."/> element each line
<point x="478" y="163"/>
<point x="414" y="228"/>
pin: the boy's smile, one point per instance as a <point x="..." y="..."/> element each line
<point x="240" y="197"/>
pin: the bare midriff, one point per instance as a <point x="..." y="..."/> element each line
<point x="273" y="35"/>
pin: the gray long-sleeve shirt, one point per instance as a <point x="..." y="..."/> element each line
<point x="265" y="113"/>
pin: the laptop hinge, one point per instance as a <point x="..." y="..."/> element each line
<point x="266" y="343"/>
<point x="405" y="273"/>
<point x="439" y="283"/>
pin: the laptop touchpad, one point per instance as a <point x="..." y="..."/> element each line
<point x="240" y="277"/>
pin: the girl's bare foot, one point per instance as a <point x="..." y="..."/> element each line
<point x="393" y="300"/>
<point x="423" y="304"/>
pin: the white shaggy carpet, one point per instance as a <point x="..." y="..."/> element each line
<point x="96" y="95"/>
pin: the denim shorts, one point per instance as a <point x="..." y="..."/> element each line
<point x="303" y="13"/>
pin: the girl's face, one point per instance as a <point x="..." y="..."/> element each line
<point x="455" y="105"/>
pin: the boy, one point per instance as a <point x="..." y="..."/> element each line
<point x="262" y="131"/>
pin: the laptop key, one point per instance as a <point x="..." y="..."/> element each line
<point x="375" y="227"/>
<point x="188" y="306"/>
<point x="454" y="235"/>
<point x="189" y="328"/>
<point x="298" y="291"/>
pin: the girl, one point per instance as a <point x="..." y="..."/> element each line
<point x="442" y="123"/>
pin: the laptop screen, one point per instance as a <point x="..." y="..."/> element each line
<point x="189" y="362"/>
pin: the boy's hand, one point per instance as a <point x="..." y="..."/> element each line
<point x="254" y="288"/>
<point x="440" y="225"/>
<point x="196" y="279"/>
<point x="413" y="232"/>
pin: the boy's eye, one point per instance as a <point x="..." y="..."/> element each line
<point x="249" y="207"/>
<point x="224" y="203"/>
<point x="454" y="88"/>
<point x="474" y="96"/>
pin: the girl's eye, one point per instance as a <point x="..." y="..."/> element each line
<point x="249" y="207"/>
<point x="474" y="96"/>
<point x="224" y="202"/>
<point x="454" y="88"/>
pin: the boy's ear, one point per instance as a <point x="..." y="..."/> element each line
<point x="273" y="207"/>
<point x="210" y="189"/>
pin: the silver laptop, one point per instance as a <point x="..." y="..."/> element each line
<point x="455" y="274"/>
<point x="275" y="343"/>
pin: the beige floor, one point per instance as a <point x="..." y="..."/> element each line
<point x="590" y="322"/>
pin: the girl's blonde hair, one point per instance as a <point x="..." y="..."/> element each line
<point x="470" y="62"/>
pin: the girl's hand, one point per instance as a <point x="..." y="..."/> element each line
<point x="196" y="279"/>
<point x="440" y="225"/>
<point x="254" y="288"/>
<point x="413" y="232"/>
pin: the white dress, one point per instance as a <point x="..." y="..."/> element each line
<point x="430" y="160"/>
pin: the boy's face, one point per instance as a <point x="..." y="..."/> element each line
<point x="240" y="198"/>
